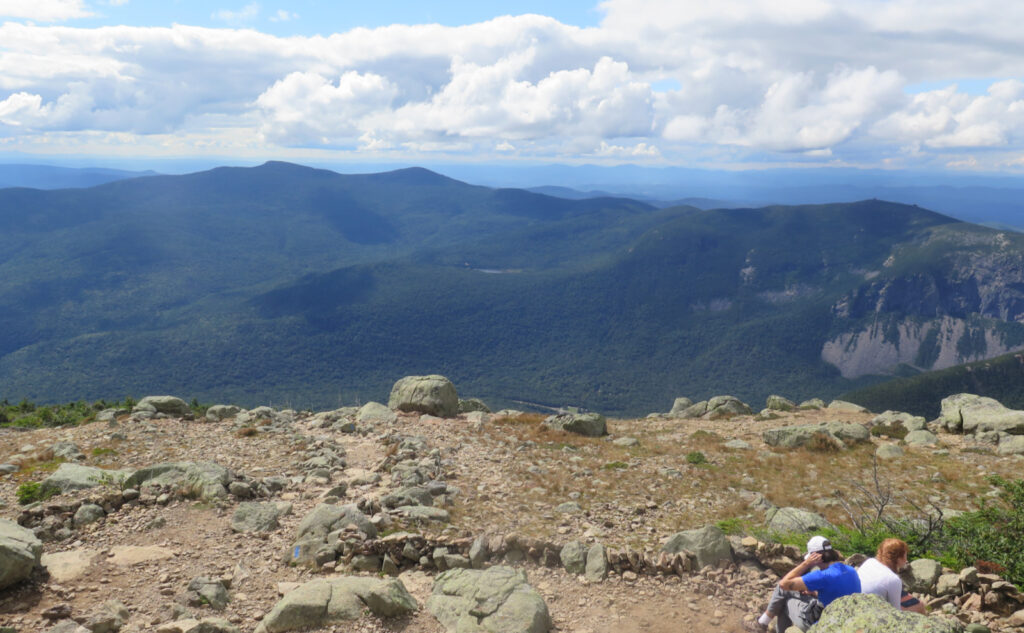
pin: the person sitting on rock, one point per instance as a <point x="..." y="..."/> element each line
<point x="808" y="588"/>
<point x="878" y="575"/>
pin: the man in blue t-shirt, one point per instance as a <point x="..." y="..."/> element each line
<point x="802" y="594"/>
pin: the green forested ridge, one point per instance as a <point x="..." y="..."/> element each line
<point x="1001" y="378"/>
<point x="292" y="286"/>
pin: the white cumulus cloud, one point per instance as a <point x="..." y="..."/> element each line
<point x="821" y="79"/>
<point x="44" y="10"/>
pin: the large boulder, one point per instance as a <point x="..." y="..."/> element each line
<point x="164" y="404"/>
<point x="722" y="407"/>
<point x="494" y="600"/>
<point x="574" y="557"/>
<point x="258" y="517"/>
<point x="708" y="544"/>
<point x="219" y="412"/>
<point x="867" y="613"/>
<point x="921" y="438"/>
<point x="432" y="394"/>
<point x="846" y="407"/>
<point x="838" y="434"/>
<point x="325" y="518"/>
<point x="375" y="412"/>
<point x="695" y="410"/>
<point x="921" y="575"/>
<point x="778" y="403"/>
<point x="971" y="414"/>
<point x="679" y="405"/>
<point x="321" y="602"/>
<point x="20" y="552"/>
<point x="790" y="520"/>
<point x="203" y="480"/>
<point x="906" y="420"/>
<point x="589" y="424"/>
<point x="1011" y="445"/>
<point x="470" y="405"/>
<point x="70" y="477"/>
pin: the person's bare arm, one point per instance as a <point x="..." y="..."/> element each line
<point x="793" y="581"/>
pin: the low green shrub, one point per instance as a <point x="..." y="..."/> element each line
<point x="32" y="491"/>
<point x="696" y="458"/>
<point x="991" y="535"/>
<point x="894" y="430"/>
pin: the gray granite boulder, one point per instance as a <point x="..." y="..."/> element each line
<point x="597" y="563"/>
<point x="906" y="420"/>
<point x="846" y="407"/>
<point x="790" y="520"/>
<point x="921" y="575"/>
<point x="88" y="513"/>
<point x="20" y="552"/>
<point x="70" y="477"/>
<point x="326" y="518"/>
<point x="203" y="480"/>
<point x="812" y="404"/>
<point x="1011" y="445"/>
<point x="219" y="412"/>
<point x="778" y="403"/>
<point x="258" y="517"/>
<point x="110" y="617"/>
<point x="67" y="450"/>
<point x="432" y="394"/>
<point x="408" y="496"/>
<point x="375" y="412"/>
<point x="695" y="410"/>
<point x="867" y="613"/>
<point x="163" y="404"/>
<point x="324" y="601"/>
<point x="203" y="591"/>
<point x="469" y="405"/>
<point x="921" y="438"/>
<point x="970" y="414"/>
<point x="494" y="600"/>
<point x="574" y="557"/>
<point x="724" y="407"/>
<point x="588" y="424"/>
<point x="838" y="433"/>
<point x="680" y="405"/>
<point x="889" y="451"/>
<point x="708" y="544"/>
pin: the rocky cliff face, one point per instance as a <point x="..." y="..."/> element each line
<point x="933" y="317"/>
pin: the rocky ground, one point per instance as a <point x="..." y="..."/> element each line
<point x="505" y="477"/>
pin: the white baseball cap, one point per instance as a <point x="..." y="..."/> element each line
<point x="817" y="544"/>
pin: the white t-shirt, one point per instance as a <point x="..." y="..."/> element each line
<point x="878" y="579"/>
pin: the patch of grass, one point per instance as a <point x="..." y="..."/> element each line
<point x="822" y="443"/>
<point x="102" y="451"/>
<point x="46" y="466"/>
<point x="732" y="526"/>
<point x="32" y="491"/>
<point x="696" y="458"/>
<point x="615" y="466"/>
<point x="249" y="431"/>
<point x="894" y="430"/>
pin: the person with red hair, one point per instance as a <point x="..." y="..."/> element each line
<point x="879" y="575"/>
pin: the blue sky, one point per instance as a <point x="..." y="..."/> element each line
<point x="893" y="84"/>
<point x="321" y="17"/>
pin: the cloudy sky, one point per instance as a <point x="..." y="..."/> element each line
<point x="875" y="83"/>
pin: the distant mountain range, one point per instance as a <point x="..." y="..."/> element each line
<point x="52" y="177"/>
<point x="295" y="286"/>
